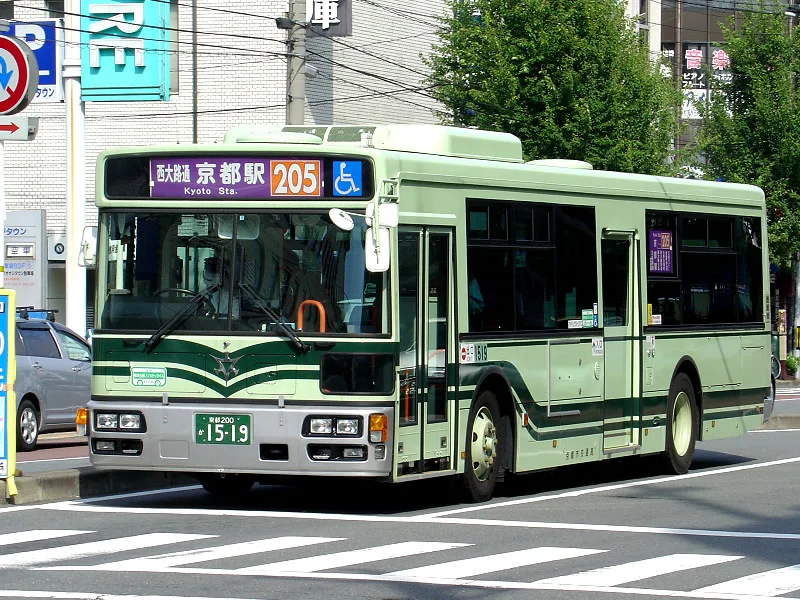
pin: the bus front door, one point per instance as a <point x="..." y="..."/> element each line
<point x="621" y="332"/>
<point x="424" y="440"/>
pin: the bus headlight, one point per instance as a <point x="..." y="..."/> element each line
<point x="347" y="426"/>
<point x="130" y="421"/>
<point x="321" y="426"/>
<point x="106" y="420"/>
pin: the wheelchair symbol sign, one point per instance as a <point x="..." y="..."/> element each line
<point x="347" y="178"/>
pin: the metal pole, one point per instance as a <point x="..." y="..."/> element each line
<point x="76" y="169"/>
<point x="195" y="92"/>
<point x="296" y="65"/>
<point x="2" y="216"/>
<point x="678" y="75"/>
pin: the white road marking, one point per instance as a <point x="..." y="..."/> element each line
<point x="164" y="561"/>
<point x="423" y="519"/>
<point x="75" y="551"/>
<point x="617" y="486"/>
<point x="354" y="557"/>
<point x="36" y="535"/>
<point x="641" y="569"/>
<point x="480" y="565"/>
<point x="97" y="596"/>
<point x="768" y="583"/>
<point x="465" y="583"/>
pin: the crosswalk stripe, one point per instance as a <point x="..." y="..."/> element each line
<point x="353" y="557"/>
<point x="164" y="561"/>
<point x="75" y="551"/>
<point x="459" y="569"/>
<point x="640" y="569"/>
<point x="37" y="535"/>
<point x="768" y="583"/>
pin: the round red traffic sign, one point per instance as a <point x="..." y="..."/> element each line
<point x="19" y="75"/>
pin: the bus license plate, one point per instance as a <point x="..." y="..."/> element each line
<point x="222" y="429"/>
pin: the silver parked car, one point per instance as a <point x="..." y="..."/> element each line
<point x="54" y="369"/>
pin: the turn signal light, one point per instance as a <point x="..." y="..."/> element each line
<point x="378" y="428"/>
<point x="80" y="421"/>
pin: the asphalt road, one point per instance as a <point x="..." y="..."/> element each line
<point x="730" y="529"/>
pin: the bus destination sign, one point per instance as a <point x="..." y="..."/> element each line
<point x="254" y="177"/>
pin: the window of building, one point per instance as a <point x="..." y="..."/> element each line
<point x="6" y="9"/>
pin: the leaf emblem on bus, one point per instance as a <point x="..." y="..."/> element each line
<point x="227" y="366"/>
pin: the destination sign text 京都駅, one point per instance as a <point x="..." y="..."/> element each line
<point x="254" y="177"/>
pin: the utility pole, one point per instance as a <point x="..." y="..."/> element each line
<point x="678" y="76"/>
<point x="76" y="168"/>
<point x="296" y="64"/>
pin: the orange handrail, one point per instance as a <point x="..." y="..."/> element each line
<point x="320" y="309"/>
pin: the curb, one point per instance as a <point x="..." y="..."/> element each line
<point x="776" y="422"/>
<point x="86" y="482"/>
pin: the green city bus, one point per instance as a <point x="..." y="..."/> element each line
<point x="399" y="302"/>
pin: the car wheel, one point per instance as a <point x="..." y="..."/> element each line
<point x="27" y="426"/>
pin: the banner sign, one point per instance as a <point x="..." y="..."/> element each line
<point x="8" y="404"/>
<point x="124" y="50"/>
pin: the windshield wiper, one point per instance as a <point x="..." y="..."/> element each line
<point x="299" y="344"/>
<point x="175" y="319"/>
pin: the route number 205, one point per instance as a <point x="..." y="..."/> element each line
<point x="295" y="178"/>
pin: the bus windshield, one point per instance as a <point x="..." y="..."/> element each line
<point x="253" y="272"/>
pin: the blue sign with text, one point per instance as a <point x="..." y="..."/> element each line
<point x="46" y="40"/>
<point x="124" y="50"/>
<point x="6" y="309"/>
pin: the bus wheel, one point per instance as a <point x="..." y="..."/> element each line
<point x="681" y="425"/>
<point x="484" y="445"/>
<point x="228" y="486"/>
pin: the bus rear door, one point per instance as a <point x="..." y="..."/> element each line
<point x="621" y="332"/>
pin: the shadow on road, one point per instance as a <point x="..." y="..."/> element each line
<point x="347" y="496"/>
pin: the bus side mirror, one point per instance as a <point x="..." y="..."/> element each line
<point x="88" y="250"/>
<point x="376" y="250"/>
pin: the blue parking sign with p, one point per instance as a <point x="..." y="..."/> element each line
<point x="46" y="39"/>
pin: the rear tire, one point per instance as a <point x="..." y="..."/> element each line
<point x="682" y="426"/>
<point x="226" y="486"/>
<point x="27" y="426"/>
<point x="485" y="448"/>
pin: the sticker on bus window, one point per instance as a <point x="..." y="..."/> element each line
<point x="656" y="319"/>
<point x="587" y="316"/>
<point x="575" y="324"/>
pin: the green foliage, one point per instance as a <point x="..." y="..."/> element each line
<point x="751" y="128"/>
<point x="791" y="365"/>
<point x="570" y="78"/>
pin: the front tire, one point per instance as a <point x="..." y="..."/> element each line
<point x="485" y="445"/>
<point x="682" y="426"/>
<point x="27" y="426"/>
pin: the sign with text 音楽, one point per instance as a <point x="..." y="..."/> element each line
<point x="45" y="38"/>
<point x="124" y="50"/>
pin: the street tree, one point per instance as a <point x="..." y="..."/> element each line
<point x="571" y="78"/>
<point x="751" y="126"/>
